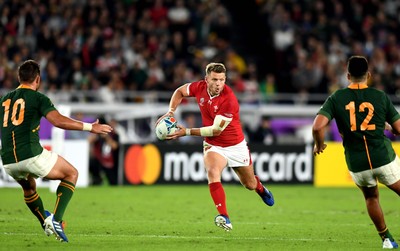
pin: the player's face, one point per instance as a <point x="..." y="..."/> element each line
<point x="215" y="83"/>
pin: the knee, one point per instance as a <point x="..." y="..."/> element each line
<point x="73" y="175"/>
<point x="28" y="186"/>
<point x="213" y="174"/>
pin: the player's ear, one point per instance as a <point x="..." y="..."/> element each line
<point x="368" y="75"/>
<point x="348" y="76"/>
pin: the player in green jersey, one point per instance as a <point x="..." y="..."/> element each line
<point x="25" y="159"/>
<point x="362" y="114"/>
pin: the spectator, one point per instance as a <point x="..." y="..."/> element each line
<point x="104" y="157"/>
<point x="189" y="121"/>
<point x="264" y="133"/>
<point x="102" y="35"/>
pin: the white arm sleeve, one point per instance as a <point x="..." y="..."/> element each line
<point x="221" y="122"/>
<point x="187" y="89"/>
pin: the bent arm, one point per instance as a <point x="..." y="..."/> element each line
<point x="219" y="124"/>
<point x="177" y="97"/>
<point x="175" y="100"/>
<point x="318" y="132"/>
<point x="395" y="127"/>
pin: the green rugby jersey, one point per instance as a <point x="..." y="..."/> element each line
<point x="360" y="113"/>
<point x="21" y="111"/>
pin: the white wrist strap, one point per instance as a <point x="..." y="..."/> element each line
<point x="171" y="110"/>
<point x="87" y="127"/>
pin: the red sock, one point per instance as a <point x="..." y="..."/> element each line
<point x="260" y="187"/>
<point x="218" y="195"/>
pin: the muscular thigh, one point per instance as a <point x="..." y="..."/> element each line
<point x="236" y="157"/>
<point x="245" y="174"/>
<point x="62" y="169"/>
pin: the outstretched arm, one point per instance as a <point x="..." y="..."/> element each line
<point x="66" y="123"/>
<point x="219" y="124"/>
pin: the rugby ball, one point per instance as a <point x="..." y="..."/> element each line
<point x="166" y="126"/>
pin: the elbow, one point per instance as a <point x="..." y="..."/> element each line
<point x="57" y="124"/>
<point x="316" y="132"/>
<point x="395" y="128"/>
<point x="395" y="132"/>
<point x="56" y="119"/>
<point x="317" y="128"/>
<point x="217" y="132"/>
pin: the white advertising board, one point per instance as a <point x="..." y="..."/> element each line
<point x="75" y="152"/>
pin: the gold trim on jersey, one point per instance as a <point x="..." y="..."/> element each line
<point x="357" y="86"/>
<point x="367" y="151"/>
<point x="14" y="147"/>
<point x="22" y="86"/>
<point x="36" y="129"/>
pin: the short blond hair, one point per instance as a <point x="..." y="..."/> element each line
<point x="215" y="67"/>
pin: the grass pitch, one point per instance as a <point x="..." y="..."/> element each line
<point x="164" y="217"/>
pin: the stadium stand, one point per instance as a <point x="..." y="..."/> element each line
<point x="138" y="51"/>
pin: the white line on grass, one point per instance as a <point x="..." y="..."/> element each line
<point x="186" y="237"/>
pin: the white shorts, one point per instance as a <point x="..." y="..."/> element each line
<point x="236" y="155"/>
<point x="387" y="175"/>
<point x="38" y="166"/>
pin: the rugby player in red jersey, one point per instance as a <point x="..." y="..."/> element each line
<point x="224" y="141"/>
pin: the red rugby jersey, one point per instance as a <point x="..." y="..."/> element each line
<point x="225" y="104"/>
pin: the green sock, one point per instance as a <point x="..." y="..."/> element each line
<point x="35" y="204"/>
<point x="64" y="194"/>
<point x="385" y="234"/>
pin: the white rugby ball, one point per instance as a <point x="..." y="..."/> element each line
<point x="166" y="126"/>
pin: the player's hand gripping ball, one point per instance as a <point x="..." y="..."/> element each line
<point x="166" y="126"/>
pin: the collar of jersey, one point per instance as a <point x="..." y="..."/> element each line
<point x="211" y="97"/>
<point x="22" y="86"/>
<point x="357" y="86"/>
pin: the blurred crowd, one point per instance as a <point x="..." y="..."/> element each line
<point x="107" y="46"/>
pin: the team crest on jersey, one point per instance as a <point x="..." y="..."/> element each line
<point x="215" y="108"/>
<point x="201" y="102"/>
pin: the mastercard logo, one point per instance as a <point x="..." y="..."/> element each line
<point x="142" y="164"/>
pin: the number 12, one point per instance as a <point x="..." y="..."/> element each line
<point x="365" y="124"/>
